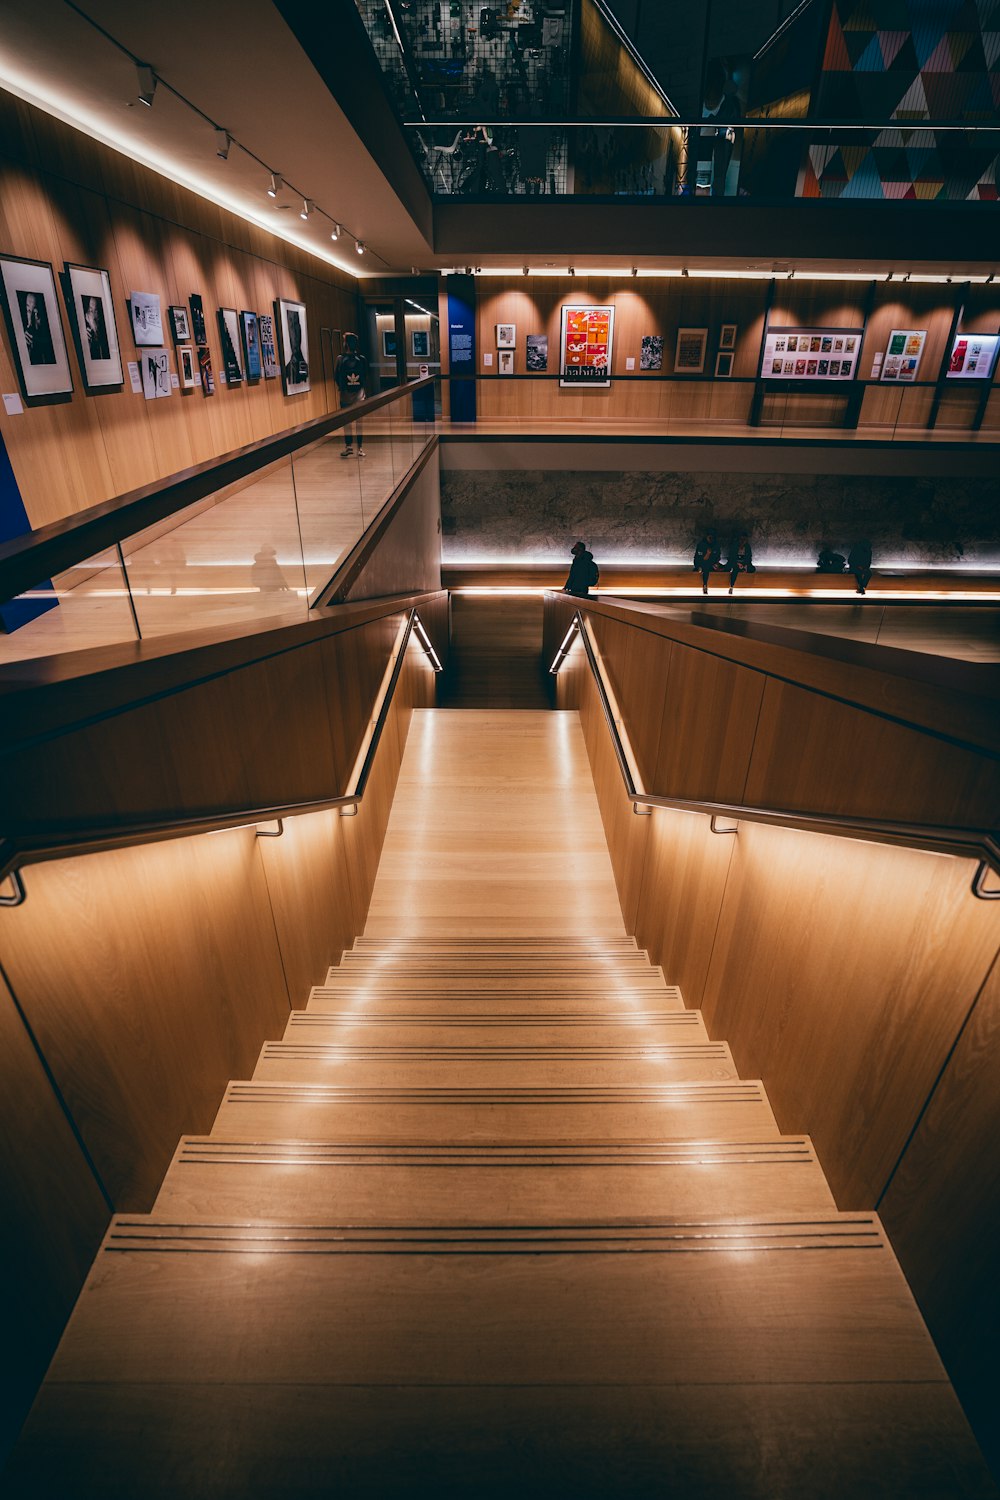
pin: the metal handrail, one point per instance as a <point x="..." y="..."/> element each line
<point x="13" y="857"/>
<point x="29" y="560"/>
<point x="981" y="844"/>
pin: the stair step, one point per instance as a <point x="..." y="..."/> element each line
<point x="311" y="1181"/>
<point x="502" y="979"/>
<point x="493" y="1003"/>
<point x="418" y="1026"/>
<point x="556" y="944"/>
<point x="732" y="1109"/>
<point x="496" y="961"/>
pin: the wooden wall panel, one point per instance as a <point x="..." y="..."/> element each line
<point x="54" y="1216"/>
<point x="687" y="866"/>
<point x="65" y="197"/>
<point x="709" y="719"/>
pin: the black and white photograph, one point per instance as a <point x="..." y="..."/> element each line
<point x="36" y="331"/>
<point x="251" y="344"/>
<point x="727" y="336"/>
<point x="506" y="335"/>
<point x="724" y="364"/>
<point x="92" y="317"/>
<point x="420" y="343"/>
<point x="268" y="358"/>
<point x="198" y="328"/>
<point x="537" y="352"/>
<point x="505" y="362"/>
<point x="155" y="366"/>
<point x="180" y="325"/>
<point x="186" y="367"/>
<point x="205" y="370"/>
<point x="651" y="352"/>
<point x="147" y="324"/>
<point x="231" y="355"/>
<point x="294" y="338"/>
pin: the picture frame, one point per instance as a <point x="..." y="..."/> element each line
<point x="901" y="359"/>
<point x="723" y="364"/>
<point x="198" y="327"/>
<point x="180" y="324"/>
<point x="186" y="370"/>
<point x="506" y="335"/>
<point x="146" y="319"/>
<point x="251" y="345"/>
<point x="230" y="352"/>
<point x="811" y="349"/>
<point x="505" y="362"/>
<point x="268" y="358"/>
<point x="536" y="352"/>
<point x="973" y="356"/>
<point x="689" y="351"/>
<point x="727" y="336"/>
<point x="420" y="343"/>
<point x="87" y="290"/>
<point x="155" y="368"/>
<point x="34" y="323"/>
<point x="293" y="335"/>
<point x="586" y="341"/>
<point x="205" y="370"/>
<point x="388" y="343"/>
<point x="651" y="352"/>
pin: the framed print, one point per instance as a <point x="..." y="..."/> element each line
<point x="147" y="325"/>
<point x="537" y="355"/>
<point x="505" y="362"/>
<point x="230" y="354"/>
<point x="902" y="355"/>
<point x="294" y="336"/>
<point x="268" y="359"/>
<point x="420" y="343"/>
<point x="251" y="345"/>
<point x="723" y="364"/>
<point x="36" y="331"/>
<point x="186" y="367"/>
<point x="586" y="335"/>
<point x="155" y="366"/>
<point x="180" y="325"/>
<point x="388" y="343"/>
<point x="198" y="319"/>
<point x="205" y="370"/>
<point x="92" y="318"/>
<point x="973" y="356"/>
<point x="506" y="336"/>
<point x="689" y="351"/>
<point x="727" y="336"/>
<point x="651" y="352"/>
<point x="812" y="348"/>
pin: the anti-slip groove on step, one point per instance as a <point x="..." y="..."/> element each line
<point x="681" y="1019"/>
<point x="207" y="1150"/>
<point x="347" y="1052"/>
<point x="254" y="1092"/>
<point x="360" y="994"/>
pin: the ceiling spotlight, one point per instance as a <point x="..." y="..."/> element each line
<point x="335" y="232"/>
<point x="147" y="84"/>
<point x="359" y="246"/>
<point x="223" y="141"/>
<point x="276" y="185"/>
<point x="307" y="207"/>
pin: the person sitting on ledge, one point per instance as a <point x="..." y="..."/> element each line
<point x="740" y="559"/>
<point x="830" y="561"/>
<point x="583" y="572"/>
<point x="859" y="562"/>
<point x="707" y="557"/>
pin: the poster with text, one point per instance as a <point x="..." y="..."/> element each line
<point x="811" y="353"/>
<point x="973" y="356"/>
<point x="903" y="352"/>
<point x="585" y="340"/>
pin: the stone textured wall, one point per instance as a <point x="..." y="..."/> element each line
<point x="536" y="514"/>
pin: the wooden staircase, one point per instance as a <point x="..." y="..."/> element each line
<point x="496" y="1217"/>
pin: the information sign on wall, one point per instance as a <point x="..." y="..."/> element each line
<point x="585" y="340"/>
<point x="902" y="355"/>
<point x="973" y="356"/>
<point x="811" y="353"/>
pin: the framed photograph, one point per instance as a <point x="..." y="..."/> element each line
<point x="420" y="343"/>
<point x="505" y="362"/>
<point x="689" y="351"/>
<point x="36" y="331"/>
<point x="230" y="353"/>
<point x="147" y="325"/>
<point x="155" y="367"/>
<point x="294" y="338"/>
<point x="198" y="319"/>
<point x="268" y="358"/>
<point x="723" y="364"/>
<point x="251" y="345"/>
<point x="817" y="344"/>
<point x="506" y="336"/>
<point x="186" y="369"/>
<point x="973" y="356"/>
<point x="586" y="335"/>
<point x="727" y="336"/>
<point x="180" y="325"/>
<point x="537" y="352"/>
<point x="651" y="352"/>
<point x="388" y="343"/>
<point x="92" y="317"/>
<point x="205" y="370"/>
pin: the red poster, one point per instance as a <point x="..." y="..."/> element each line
<point x="585" y="354"/>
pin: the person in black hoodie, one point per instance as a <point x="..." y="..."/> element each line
<point x="859" y="562"/>
<point x="350" y="375"/>
<point x="707" y="557"/>
<point x="740" y="559"/>
<point x="582" y="572"/>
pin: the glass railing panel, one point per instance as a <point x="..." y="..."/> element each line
<point x="228" y="560"/>
<point x="87" y="605"/>
<point x="328" y="499"/>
